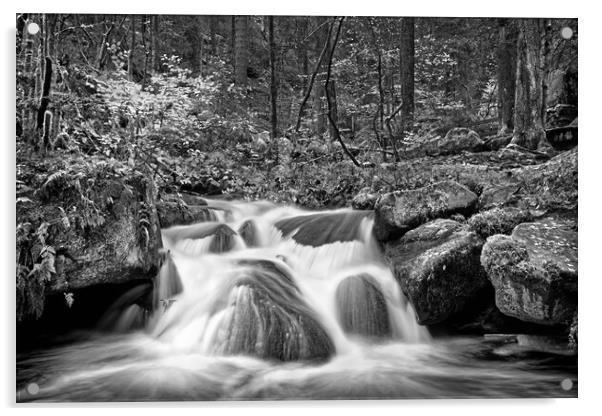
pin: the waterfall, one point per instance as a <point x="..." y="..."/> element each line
<point x="277" y="283"/>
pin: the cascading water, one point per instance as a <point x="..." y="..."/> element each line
<point x="273" y="302"/>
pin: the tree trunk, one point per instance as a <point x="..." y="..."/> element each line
<point x="319" y="92"/>
<point x="132" y="45"/>
<point x="506" y="74"/>
<point x="273" y="80"/>
<point x="529" y="103"/>
<point x="154" y="34"/>
<point x="406" y="66"/>
<point x="241" y="53"/>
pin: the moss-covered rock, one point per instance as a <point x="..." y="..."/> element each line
<point x="534" y="271"/>
<point x="90" y="222"/>
<point x="398" y="212"/>
<point x="497" y="221"/>
<point x="177" y="212"/>
<point x="438" y="268"/>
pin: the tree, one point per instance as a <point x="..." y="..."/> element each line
<point x="132" y="46"/>
<point x="241" y="49"/>
<point x="322" y="38"/>
<point x="529" y="103"/>
<point x="273" y="80"/>
<point x="506" y="74"/>
<point x="406" y="66"/>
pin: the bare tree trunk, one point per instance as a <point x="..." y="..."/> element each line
<point x="529" y="104"/>
<point x="506" y="74"/>
<point x="337" y="133"/>
<point x="132" y="46"/>
<point x="154" y="33"/>
<point x="319" y="92"/>
<point x="313" y="78"/>
<point x="273" y="80"/>
<point x="406" y="66"/>
<point x="241" y="53"/>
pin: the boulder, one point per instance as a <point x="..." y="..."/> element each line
<point x="365" y="199"/>
<point x="460" y="139"/>
<point x="84" y="226"/>
<point x="438" y="268"/>
<point x="361" y="307"/>
<point x="498" y="221"/>
<point x="179" y="213"/>
<point x="267" y="317"/>
<point x="398" y="212"/>
<point x="534" y="271"/>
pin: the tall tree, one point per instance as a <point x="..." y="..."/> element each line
<point x="241" y="49"/>
<point x="406" y="66"/>
<point x="273" y="80"/>
<point x="322" y="36"/>
<point x="506" y="74"/>
<point x="132" y="46"/>
<point x="529" y="103"/>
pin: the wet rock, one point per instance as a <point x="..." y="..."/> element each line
<point x="248" y="232"/>
<point x="178" y="213"/>
<point x="534" y="271"/>
<point x="266" y="317"/>
<point x="438" y="268"/>
<point x="365" y="199"/>
<point x="361" y="307"/>
<point x="324" y="228"/>
<point x="497" y="221"/>
<point x="398" y="212"/>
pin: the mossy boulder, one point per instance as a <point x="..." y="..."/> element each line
<point x="90" y="222"/>
<point x="176" y="212"/>
<point x="398" y="212"/>
<point x="498" y="221"/>
<point x="438" y="268"/>
<point x="534" y="271"/>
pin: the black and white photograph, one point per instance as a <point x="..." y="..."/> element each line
<point x="216" y="207"/>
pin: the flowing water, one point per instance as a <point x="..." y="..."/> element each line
<point x="270" y="302"/>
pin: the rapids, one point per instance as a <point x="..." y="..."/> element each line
<point x="273" y="302"/>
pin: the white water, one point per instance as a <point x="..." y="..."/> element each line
<point x="183" y="352"/>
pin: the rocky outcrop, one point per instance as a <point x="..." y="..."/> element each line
<point x="534" y="271"/>
<point x="84" y="226"/>
<point x="438" y="268"/>
<point x="365" y="199"/>
<point x="398" y="212"/>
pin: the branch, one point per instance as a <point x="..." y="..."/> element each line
<point x="388" y="124"/>
<point x="337" y="133"/>
<point x="313" y="78"/>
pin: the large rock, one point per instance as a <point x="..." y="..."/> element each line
<point x="398" y="212"/>
<point x="85" y="225"/>
<point x="457" y="140"/>
<point x="361" y="307"/>
<point x="267" y="317"/>
<point x="534" y="271"/>
<point x="179" y="213"/>
<point x="438" y="268"/>
<point x="498" y="221"/>
<point x="365" y="199"/>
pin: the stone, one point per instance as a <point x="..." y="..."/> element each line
<point x="534" y="271"/>
<point x="438" y="268"/>
<point x="361" y="307"/>
<point x="365" y="199"/>
<point x="398" y="212"/>
<point x="498" y="221"/>
<point x="179" y="213"/>
<point x="459" y="139"/>
<point x="267" y="317"/>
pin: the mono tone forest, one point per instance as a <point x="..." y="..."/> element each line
<point x="283" y="207"/>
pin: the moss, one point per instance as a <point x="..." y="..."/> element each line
<point x="498" y="221"/>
